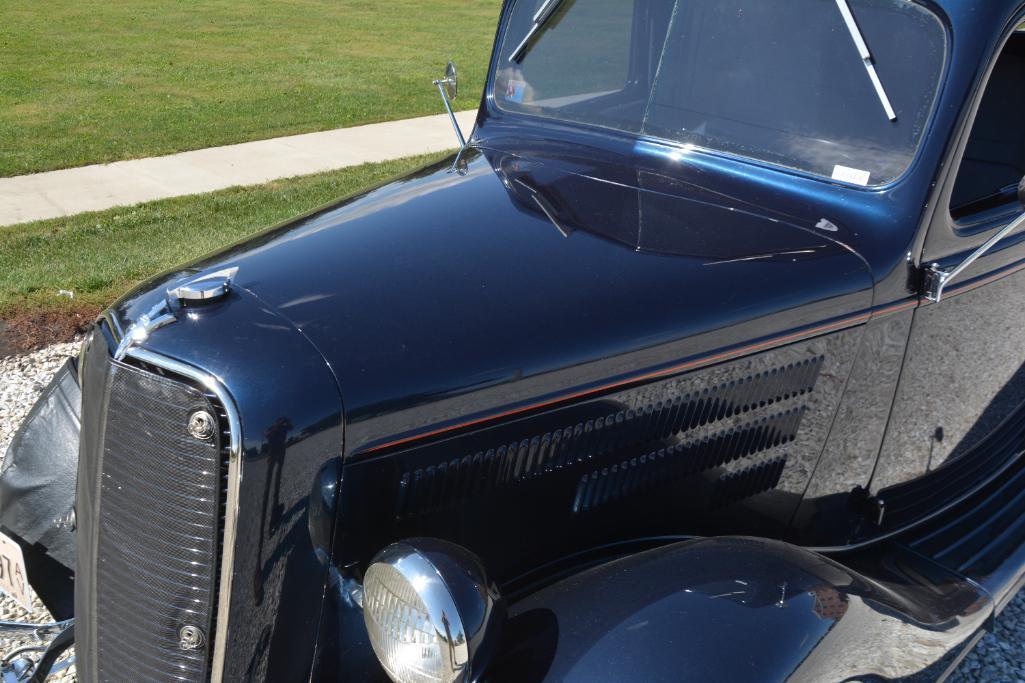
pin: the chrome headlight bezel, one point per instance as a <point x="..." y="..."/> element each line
<point x="455" y="611"/>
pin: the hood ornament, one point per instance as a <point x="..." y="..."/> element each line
<point x="140" y="330"/>
<point x="201" y="290"/>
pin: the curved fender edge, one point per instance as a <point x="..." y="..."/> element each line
<point x="729" y="609"/>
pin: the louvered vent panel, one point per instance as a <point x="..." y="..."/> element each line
<point x="748" y="482"/>
<point x="666" y="465"/>
<point x="599" y="440"/>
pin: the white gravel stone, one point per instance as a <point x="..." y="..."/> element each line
<point x="998" y="658"/>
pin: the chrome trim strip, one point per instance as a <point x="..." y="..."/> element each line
<point x="231" y="504"/>
<point x="110" y="317"/>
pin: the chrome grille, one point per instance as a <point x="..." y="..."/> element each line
<point x="156" y="528"/>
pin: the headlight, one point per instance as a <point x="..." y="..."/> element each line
<point x="430" y="613"/>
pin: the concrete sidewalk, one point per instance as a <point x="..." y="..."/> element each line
<point x="93" y="188"/>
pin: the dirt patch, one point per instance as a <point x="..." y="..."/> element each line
<point x="24" y="332"/>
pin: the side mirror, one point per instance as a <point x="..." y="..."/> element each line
<point x="451" y="81"/>
<point x="449" y="89"/>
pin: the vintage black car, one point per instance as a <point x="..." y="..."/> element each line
<point x="703" y="359"/>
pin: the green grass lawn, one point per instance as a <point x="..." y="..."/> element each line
<point x="86" y="81"/>
<point x="100" y="255"/>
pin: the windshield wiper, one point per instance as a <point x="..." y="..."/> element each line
<point x="542" y="16"/>
<point x="866" y="56"/>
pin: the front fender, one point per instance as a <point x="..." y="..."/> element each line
<point x="738" y="609"/>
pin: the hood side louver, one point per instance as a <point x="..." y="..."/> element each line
<point x="633" y="449"/>
<point x="686" y="459"/>
<point x="750" y="481"/>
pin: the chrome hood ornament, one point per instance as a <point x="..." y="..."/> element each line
<point x="201" y="290"/>
<point x="140" y="330"/>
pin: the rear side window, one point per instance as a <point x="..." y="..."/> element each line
<point x="994" y="159"/>
<point x="781" y="81"/>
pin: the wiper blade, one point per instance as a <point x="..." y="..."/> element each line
<point x="541" y="17"/>
<point x="866" y="57"/>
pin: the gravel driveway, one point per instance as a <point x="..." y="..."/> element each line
<point x="998" y="658"/>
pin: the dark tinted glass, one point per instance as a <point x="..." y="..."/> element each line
<point x="994" y="160"/>
<point x="781" y="81"/>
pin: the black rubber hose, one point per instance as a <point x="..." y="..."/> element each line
<point x="58" y="646"/>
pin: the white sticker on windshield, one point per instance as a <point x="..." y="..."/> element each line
<point x="854" y="176"/>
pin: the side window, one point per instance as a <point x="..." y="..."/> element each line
<point x="994" y="159"/>
<point x="585" y="54"/>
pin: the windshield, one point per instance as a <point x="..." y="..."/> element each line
<point x="837" y="88"/>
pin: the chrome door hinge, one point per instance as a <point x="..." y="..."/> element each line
<point x="937" y="278"/>
<point x="934" y="279"/>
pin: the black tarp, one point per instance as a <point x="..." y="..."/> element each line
<point x="37" y="490"/>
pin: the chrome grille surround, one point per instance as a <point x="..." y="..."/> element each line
<point x="149" y="488"/>
<point x="234" y="478"/>
<point x="156" y="529"/>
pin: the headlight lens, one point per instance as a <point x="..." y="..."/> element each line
<point x="428" y="610"/>
<point x="401" y="630"/>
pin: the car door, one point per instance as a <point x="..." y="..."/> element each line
<point x="957" y="419"/>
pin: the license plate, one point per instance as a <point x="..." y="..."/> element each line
<point x="13" y="577"/>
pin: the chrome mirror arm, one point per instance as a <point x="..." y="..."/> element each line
<point x="937" y="279"/>
<point x="448" y="87"/>
<point x="451" y="114"/>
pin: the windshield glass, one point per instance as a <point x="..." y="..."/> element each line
<point x="837" y="88"/>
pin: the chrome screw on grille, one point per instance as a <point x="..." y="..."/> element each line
<point x="190" y="638"/>
<point x="202" y="425"/>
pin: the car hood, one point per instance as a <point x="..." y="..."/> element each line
<point x="490" y="280"/>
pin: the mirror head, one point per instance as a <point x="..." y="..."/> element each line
<point x="451" y="81"/>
